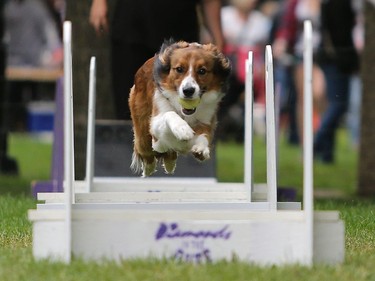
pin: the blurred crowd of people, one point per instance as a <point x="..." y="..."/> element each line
<point x="33" y="33"/>
<point x="32" y="37"/>
<point x="337" y="43"/>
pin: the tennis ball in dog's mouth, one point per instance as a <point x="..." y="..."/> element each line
<point x="188" y="103"/>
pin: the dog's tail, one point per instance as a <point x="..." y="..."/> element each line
<point x="136" y="164"/>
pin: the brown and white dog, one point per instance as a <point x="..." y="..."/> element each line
<point x="173" y="104"/>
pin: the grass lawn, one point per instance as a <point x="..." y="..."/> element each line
<point x="340" y="176"/>
<point x="17" y="263"/>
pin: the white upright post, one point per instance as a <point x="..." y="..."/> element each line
<point x="308" y="140"/>
<point x="90" y="153"/>
<point x="68" y="175"/>
<point x="271" y="132"/>
<point x="248" y="165"/>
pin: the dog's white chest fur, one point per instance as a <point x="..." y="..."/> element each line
<point x="171" y="130"/>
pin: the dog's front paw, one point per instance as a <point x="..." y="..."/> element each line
<point x="158" y="146"/>
<point x="183" y="131"/>
<point x="178" y="127"/>
<point x="200" y="152"/>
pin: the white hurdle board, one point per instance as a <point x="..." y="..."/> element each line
<point x="186" y="219"/>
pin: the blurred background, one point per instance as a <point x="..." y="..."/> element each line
<point x="31" y="57"/>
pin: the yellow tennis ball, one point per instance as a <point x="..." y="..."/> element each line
<point x="189" y="104"/>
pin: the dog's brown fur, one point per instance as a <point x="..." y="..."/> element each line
<point x="156" y="90"/>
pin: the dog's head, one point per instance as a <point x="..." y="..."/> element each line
<point x="191" y="71"/>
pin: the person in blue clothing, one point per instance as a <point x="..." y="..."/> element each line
<point x="138" y="29"/>
<point x="338" y="59"/>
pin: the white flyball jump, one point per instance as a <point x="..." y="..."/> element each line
<point x="190" y="220"/>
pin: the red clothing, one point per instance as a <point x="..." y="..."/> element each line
<point x="288" y="24"/>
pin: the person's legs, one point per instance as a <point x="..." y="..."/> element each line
<point x="318" y="90"/>
<point x="354" y="110"/>
<point x="8" y="165"/>
<point x="126" y="59"/>
<point x="287" y="92"/>
<point x="235" y="90"/>
<point x="293" y="137"/>
<point x="226" y="126"/>
<point x="337" y="91"/>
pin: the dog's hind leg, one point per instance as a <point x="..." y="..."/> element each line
<point x="148" y="166"/>
<point x="169" y="162"/>
<point x="136" y="164"/>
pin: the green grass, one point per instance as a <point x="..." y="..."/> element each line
<point x="339" y="176"/>
<point x="34" y="161"/>
<point x="17" y="263"/>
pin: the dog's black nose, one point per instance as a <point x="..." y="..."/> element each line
<point x="188" y="91"/>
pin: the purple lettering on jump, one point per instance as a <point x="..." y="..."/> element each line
<point x="198" y="257"/>
<point x="172" y="231"/>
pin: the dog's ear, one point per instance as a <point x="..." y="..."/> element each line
<point x="162" y="59"/>
<point x="222" y="66"/>
<point x="162" y="63"/>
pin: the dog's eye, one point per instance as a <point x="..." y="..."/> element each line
<point x="202" y="71"/>
<point x="179" y="69"/>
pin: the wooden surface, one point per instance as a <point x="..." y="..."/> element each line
<point x="33" y="74"/>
